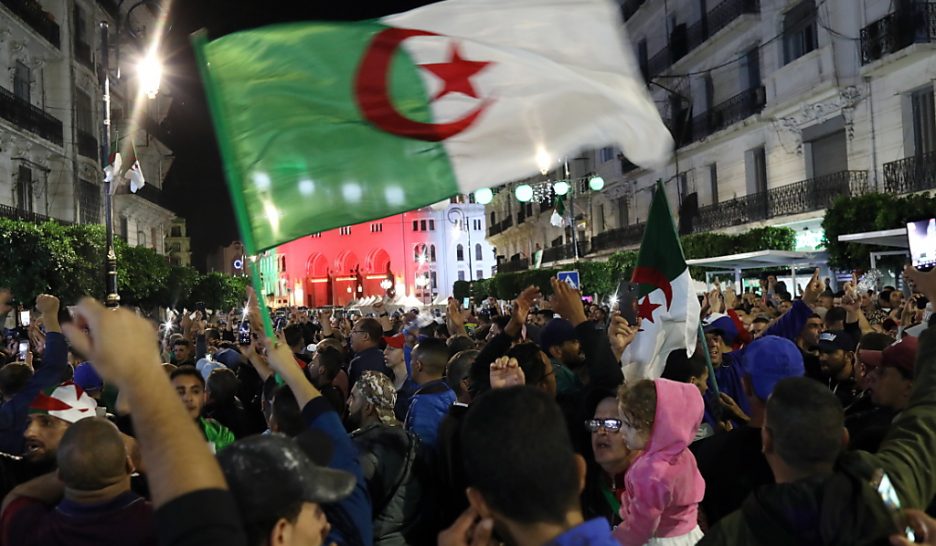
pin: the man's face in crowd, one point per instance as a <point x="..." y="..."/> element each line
<point x="359" y="339"/>
<point x="831" y="363"/>
<point x="888" y="387"/>
<point x="757" y="329"/>
<point x="896" y="299"/>
<point x="183" y="352"/>
<point x="356" y="405"/>
<point x="310" y="528"/>
<point x="393" y="356"/>
<point x="538" y="320"/>
<point x="570" y="353"/>
<point x="826" y="301"/>
<point x="701" y="382"/>
<point x="785" y="306"/>
<point x="866" y="301"/>
<point x="609" y="446"/>
<point x="713" y="341"/>
<point x="811" y="332"/>
<point x="43" y="434"/>
<point x="192" y="393"/>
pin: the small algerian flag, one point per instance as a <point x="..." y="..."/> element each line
<point x="133" y="172"/>
<point x="323" y="125"/>
<point x="666" y="301"/>
<point x="558" y="216"/>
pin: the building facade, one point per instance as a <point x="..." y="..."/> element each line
<point x="776" y="106"/>
<point x="51" y="116"/>
<point x="421" y="253"/>
<point x="178" y="243"/>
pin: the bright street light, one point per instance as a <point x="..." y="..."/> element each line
<point x="524" y="193"/>
<point x="484" y="196"/>
<point x="561" y="187"/>
<point x="149" y="71"/>
<point x="596" y="183"/>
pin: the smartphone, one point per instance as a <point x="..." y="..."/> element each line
<point x="885" y="489"/>
<point x="23" y="349"/>
<point x="24" y="318"/>
<point x="627" y="301"/>
<point x="921" y="238"/>
<point x="243" y="333"/>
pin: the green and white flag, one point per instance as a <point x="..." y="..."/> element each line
<point x="324" y="125"/>
<point x="666" y="300"/>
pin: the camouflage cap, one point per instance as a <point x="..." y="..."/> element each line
<point x="377" y="390"/>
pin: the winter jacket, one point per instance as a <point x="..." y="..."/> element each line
<point x="429" y="406"/>
<point x="368" y="359"/>
<point x="842" y="508"/>
<point x="663" y="485"/>
<point x="389" y="461"/>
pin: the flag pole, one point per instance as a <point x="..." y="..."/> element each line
<point x="231" y="175"/>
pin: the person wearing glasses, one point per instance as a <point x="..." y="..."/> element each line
<point x="365" y="342"/>
<point x="607" y="455"/>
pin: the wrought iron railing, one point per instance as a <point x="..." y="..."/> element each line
<point x="804" y="196"/>
<point x="659" y="62"/>
<point x="14" y="213"/>
<point x="83" y="54"/>
<point x="513" y="265"/>
<point x="501" y="226"/>
<point x="32" y="14"/>
<point x="565" y="252"/>
<point x="737" y="108"/>
<point x="22" y="113"/>
<point x="910" y="174"/>
<point x="87" y="144"/>
<point x="913" y="24"/>
<point x="618" y="237"/>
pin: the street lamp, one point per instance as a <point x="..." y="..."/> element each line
<point x="458" y="217"/>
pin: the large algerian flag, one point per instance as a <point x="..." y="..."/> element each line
<point x="324" y="125"/>
<point x="666" y="301"/>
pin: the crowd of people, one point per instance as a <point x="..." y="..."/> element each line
<point x="807" y="419"/>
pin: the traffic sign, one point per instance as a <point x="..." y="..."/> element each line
<point x="569" y="277"/>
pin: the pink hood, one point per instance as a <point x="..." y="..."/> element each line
<point x="663" y="485"/>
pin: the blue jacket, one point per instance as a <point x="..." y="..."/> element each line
<point x="429" y="406"/>
<point x="13" y="413"/>
<point x="368" y="359"/>
<point x="353" y="514"/>
<point x="594" y="532"/>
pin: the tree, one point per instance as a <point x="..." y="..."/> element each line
<point x="219" y="291"/>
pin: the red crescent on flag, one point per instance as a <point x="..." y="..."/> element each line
<point x="649" y="275"/>
<point x="372" y="94"/>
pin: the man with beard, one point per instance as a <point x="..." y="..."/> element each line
<point x="559" y="341"/>
<point x="837" y="365"/>
<point x="389" y="460"/>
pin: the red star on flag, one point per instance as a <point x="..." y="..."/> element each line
<point x="646" y="307"/>
<point x="456" y="74"/>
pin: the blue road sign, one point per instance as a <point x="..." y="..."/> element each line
<point x="569" y="277"/>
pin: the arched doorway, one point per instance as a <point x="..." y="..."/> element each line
<point x="317" y="286"/>
<point x="346" y="265"/>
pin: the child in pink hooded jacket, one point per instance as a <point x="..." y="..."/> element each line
<point x="663" y="484"/>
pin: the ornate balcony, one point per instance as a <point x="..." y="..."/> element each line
<point x="737" y="108"/>
<point x="87" y="144"/>
<point x="500" y="227"/>
<point x="914" y="24"/>
<point x="910" y="174"/>
<point x="804" y="196"/>
<point x="14" y="213"/>
<point x="618" y="238"/>
<point x="512" y="266"/>
<point x="25" y="115"/>
<point x="565" y="252"/>
<point x="32" y="14"/>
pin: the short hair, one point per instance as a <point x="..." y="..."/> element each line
<point x="548" y="314"/>
<point x="182" y="341"/>
<point x="529" y="359"/>
<point x="885" y="296"/>
<point x="501" y="321"/>
<point x="286" y="412"/>
<point x="876" y="341"/>
<point x="835" y="314"/>
<point x="459" y="343"/>
<point x="13" y="377"/>
<point x="330" y="342"/>
<point x="371" y="328"/>
<point x="293" y="334"/>
<point x="187" y="370"/>
<point x="682" y="368"/>
<point x="512" y="439"/>
<point x="458" y="368"/>
<point x="92" y="455"/>
<point x="806" y="420"/>
<point x="212" y="333"/>
<point x="761" y="320"/>
<point x="814" y="316"/>
<point x="222" y="385"/>
<point x="331" y="359"/>
<point x="637" y="402"/>
<point x="433" y="354"/>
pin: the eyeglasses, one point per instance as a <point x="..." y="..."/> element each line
<point x="611" y="425"/>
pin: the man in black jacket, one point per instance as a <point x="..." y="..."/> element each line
<point x="365" y="342"/>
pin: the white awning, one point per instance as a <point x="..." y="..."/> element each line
<point x="895" y="238"/>
<point x="762" y="258"/>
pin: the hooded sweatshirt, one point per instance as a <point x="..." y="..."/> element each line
<point x="663" y="485"/>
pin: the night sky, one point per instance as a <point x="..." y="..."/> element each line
<point x="195" y="187"/>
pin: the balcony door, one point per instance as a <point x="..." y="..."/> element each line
<point x="829" y="154"/>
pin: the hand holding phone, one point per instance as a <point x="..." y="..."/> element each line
<point x="23" y="349"/>
<point x="627" y="301"/>
<point x="243" y="333"/>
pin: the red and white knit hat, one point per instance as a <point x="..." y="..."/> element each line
<point x="67" y="401"/>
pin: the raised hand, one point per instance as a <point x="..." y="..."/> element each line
<point x="814" y="288"/>
<point x="506" y="372"/>
<point x="567" y="301"/>
<point x="922" y="281"/>
<point x="5" y="298"/>
<point x="621" y="334"/>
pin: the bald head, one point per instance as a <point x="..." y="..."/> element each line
<point x="92" y="455"/>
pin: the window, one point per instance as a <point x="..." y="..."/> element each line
<point x="479" y="275"/>
<point x="415" y="225"/>
<point x="643" y="59"/>
<point x="21" y="78"/>
<point x="713" y="181"/>
<point x="281" y="263"/>
<point x="317" y="235"/>
<point x="422" y="225"/>
<point x="601" y="217"/>
<point x="419" y="253"/>
<point x="478" y="252"/>
<point x="84" y="114"/>
<point x="431" y="225"/>
<point x="476" y="224"/>
<point x="89" y="202"/>
<point x="460" y="253"/>
<point x="799" y="31"/>
<point x="346" y="230"/>
<point x="606" y="154"/>
<point x="24" y="189"/>
<point x="434" y="279"/>
<point x="141" y="238"/>
<point x="529" y="209"/>
<point x="376" y="228"/>
<point x="432" y="254"/>
<point x="493" y="218"/>
<point x="124" y="228"/>
<point x="176" y="231"/>
<point x="750" y="69"/>
<point x="461" y="275"/>
<point x="683" y="185"/>
<point x="755" y="162"/>
<point x="924" y="122"/>
<point x="623" y="212"/>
